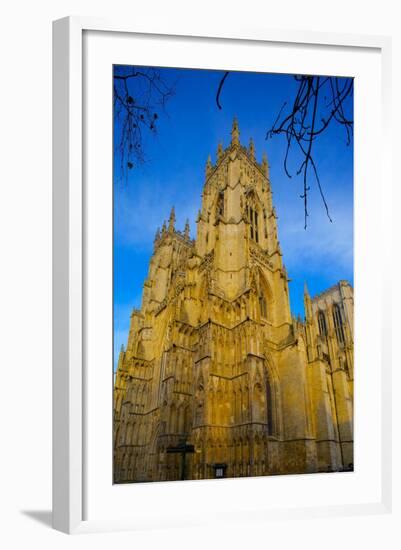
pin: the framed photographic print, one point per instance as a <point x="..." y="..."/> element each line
<point x="219" y="329"/>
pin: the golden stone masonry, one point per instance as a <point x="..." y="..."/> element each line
<point x="217" y="378"/>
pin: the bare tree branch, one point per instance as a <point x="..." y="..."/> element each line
<point x="138" y="97"/>
<point x="300" y="125"/>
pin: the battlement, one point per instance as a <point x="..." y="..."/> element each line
<point x="163" y="236"/>
<point x="331" y="290"/>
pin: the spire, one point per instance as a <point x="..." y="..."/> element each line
<point x="219" y="151"/>
<point x="187" y="229"/>
<point x="235" y="132"/>
<point x="265" y="165"/>
<point x="252" y="149"/>
<point x="171" y="220"/>
<point x="157" y="235"/>
<point x="209" y="166"/>
<point x="164" y="228"/>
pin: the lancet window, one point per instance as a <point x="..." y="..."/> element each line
<point x="338" y="323"/>
<point x="322" y="324"/>
<point x="253" y="223"/>
<point x="220" y="204"/>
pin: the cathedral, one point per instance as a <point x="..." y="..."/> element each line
<point x="218" y="379"/>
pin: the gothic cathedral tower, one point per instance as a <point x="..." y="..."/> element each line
<point x="215" y="364"/>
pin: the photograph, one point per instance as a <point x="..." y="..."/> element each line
<point x="233" y="274"/>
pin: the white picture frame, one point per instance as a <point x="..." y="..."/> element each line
<point x="70" y="426"/>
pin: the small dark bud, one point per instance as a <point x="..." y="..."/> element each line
<point x="130" y="165"/>
<point x="130" y="99"/>
<point x="155" y="116"/>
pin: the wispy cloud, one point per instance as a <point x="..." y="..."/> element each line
<point x="138" y="213"/>
<point x="323" y="247"/>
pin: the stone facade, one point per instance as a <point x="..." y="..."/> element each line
<point x="214" y="359"/>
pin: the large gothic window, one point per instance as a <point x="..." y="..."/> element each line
<point x="322" y="324"/>
<point x="338" y="323"/>
<point x="253" y="221"/>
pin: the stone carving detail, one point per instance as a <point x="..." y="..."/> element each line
<point x="261" y="256"/>
<point x="207" y="262"/>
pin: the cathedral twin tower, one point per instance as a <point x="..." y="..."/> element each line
<point x="217" y="378"/>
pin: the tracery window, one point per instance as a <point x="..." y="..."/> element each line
<point x="253" y="221"/>
<point x="322" y="324"/>
<point x="338" y="323"/>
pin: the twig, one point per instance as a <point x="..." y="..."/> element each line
<point x="220" y="88"/>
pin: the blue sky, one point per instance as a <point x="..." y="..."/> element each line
<point x="173" y="174"/>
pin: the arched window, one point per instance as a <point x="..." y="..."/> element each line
<point x="263" y="306"/>
<point x="322" y="324"/>
<point x="253" y="221"/>
<point x="338" y="323"/>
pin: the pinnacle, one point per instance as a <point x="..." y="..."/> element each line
<point x="252" y="148"/>
<point x="209" y="165"/>
<point x="171" y="220"/>
<point x="235" y="123"/>
<point x="187" y="228"/>
<point x="235" y="132"/>
<point x="219" y="151"/>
